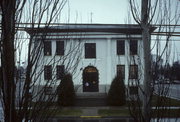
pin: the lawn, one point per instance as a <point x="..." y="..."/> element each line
<point x="63" y="112"/>
<point x="163" y="113"/>
<point x="155" y="113"/>
<point x="68" y="112"/>
<point x="164" y="101"/>
<point x="113" y="112"/>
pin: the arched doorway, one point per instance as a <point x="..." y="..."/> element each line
<point x="90" y="79"/>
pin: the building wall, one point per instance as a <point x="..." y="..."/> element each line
<point x="106" y="59"/>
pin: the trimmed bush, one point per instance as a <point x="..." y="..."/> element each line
<point x="116" y="94"/>
<point x="66" y="93"/>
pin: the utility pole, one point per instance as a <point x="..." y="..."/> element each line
<point x="146" y="38"/>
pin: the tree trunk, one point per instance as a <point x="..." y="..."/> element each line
<point x="147" y="60"/>
<point x="7" y="59"/>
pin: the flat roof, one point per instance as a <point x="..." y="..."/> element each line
<point x="113" y="28"/>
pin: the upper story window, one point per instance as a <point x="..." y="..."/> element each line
<point x="59" y="47"/>
<point x="121" y="71"/>
<point x="133" y="47"/>
<point x="59" y="71"/>
<point x="48" y="72"/>
<point x="47" y="48"/>
<point x="90" y="50"/>
<point x="120" y="46"/>
<point x="133" y="72"/>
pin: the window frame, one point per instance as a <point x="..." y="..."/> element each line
<point x="120" y="47"/>
<point x="90" y="50"/>
<point x="47" y="72"/>
<point x="135" y="72"/>
<point x="118" y="68"/>
<point x="48" y="90"/>
<point x="133" y="50"/>
<point x="47" y="48"/>
<point x="59" y="74"/>
<point x="60" y="48"/>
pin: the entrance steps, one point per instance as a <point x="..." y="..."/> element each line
<point x="91" y="99"/>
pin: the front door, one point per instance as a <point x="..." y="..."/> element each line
<point x="90" y="79"/>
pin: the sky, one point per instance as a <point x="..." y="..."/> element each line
<point x="97" y="11"/>
<point x="107" y="12"/>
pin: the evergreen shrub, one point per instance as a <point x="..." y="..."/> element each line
<point x="116" y="95"/>
<point x="66" y="92"/>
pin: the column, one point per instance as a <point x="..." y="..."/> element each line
<point x="109" y="63"/>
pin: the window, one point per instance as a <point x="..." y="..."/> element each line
<point x="120" y="45"/>
<point x="48" y="90"/>
<point x="47" y="48"/>
<point x="60" y="71"/>
<point x="133" y="72"/>
<point x="133" y="90"/>
<point x="48" y="72"/>
<point x="59" y="47"/>
<point x="90" y="50"/>
<point x="133" y="47"/>
<point x="121" y="71"/>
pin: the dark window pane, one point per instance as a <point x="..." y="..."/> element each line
<point x="60" y="71"/>
<point x="121" y="71"/>
<point x="90" y="50"/>
<point x="59" y="47"/>
<point x="133" y="90"/>
<point x="120" y="47"/>
<point x="48" y="90"/>
<point x="47" y="48"/>
<point x="48" y="72"/>
<point x="133" y="72"/>
<point x="133" y="47"/>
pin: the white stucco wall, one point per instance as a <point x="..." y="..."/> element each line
<point x="106" y="56"/>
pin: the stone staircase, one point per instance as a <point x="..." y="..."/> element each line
<point x="91" y="99"/>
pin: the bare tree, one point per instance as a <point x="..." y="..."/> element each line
<point x="153" y="13"/>
<point x="23" y="91"/>
<point x="8" y="9"/>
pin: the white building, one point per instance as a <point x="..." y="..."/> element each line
<point x="93" y="53"/>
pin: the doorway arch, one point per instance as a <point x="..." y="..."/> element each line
<point x="90" y="79"/>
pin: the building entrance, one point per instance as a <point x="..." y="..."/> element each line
<point x="90" y="79"/>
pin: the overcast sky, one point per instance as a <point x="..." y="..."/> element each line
<point x="97" y="11"/>
<point x="106" y="12"/>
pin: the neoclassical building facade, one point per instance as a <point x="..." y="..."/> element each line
<point x="93" y="53"/>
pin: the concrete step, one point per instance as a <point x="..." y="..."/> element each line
<point x="91" y="100"/>
<point x="91" y="95"/>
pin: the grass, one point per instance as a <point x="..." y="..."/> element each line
<point x="113" y="112"/>
<point x="164" y="101"/>
<point x="172" y="113"/>
<point x="160" y="101"/>
<point x="117" y="111"/>
<point x="69" y="112"/>
<point x="121" y="110"/>
<point x="155" y="113"/>
<point x="63" y="112"/>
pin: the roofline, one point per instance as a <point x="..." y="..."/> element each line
<point x="115" y="28"/>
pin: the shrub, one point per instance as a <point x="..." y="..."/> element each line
<point x="116" y="94"/>
<point x="66" y="93"/>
